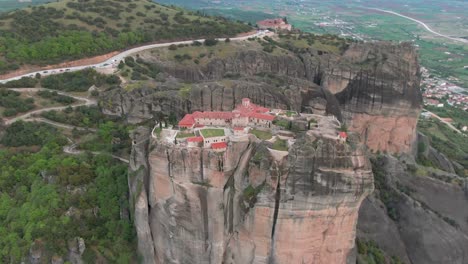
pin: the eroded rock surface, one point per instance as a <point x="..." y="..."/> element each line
<point x="252" y="204"/>
<point x="427" y="222"/>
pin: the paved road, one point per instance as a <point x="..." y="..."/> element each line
<point x="423" y="24"/>
<point x="445" y="122"/>
<point x="84" y="101"/>
<point x="113" y="61"/>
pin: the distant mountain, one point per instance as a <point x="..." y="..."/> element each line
<point x="72" y="29"/>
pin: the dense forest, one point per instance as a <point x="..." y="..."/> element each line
<point x="50" y="199"/>
<point x="74" y="29"/>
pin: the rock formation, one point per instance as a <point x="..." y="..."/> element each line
<point x="382" y="101"/>
<point x="374" y="87"/>
<point x="250" y="204"/>
<point x="421" y="219"/>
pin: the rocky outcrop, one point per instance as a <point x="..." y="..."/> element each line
<point x="39" y="253"/>
<point x="439" y="160"/>
<point x="382" y="100"/>
<point x="428" y="216"/>
<point x="252" y="204"/>
<point x="374" y="87"/>
<point x="138" y="181"/>
<point x="142" y="104"/>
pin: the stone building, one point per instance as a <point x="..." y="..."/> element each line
<point x="275" y="24"/>
<point x="245" y="114"/>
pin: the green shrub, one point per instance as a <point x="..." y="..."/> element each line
<point x="210" y="42"/>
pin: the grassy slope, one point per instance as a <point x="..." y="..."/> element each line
<point x="72" y="29"/>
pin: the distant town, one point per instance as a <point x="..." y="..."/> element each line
<point x="438" y="92"/>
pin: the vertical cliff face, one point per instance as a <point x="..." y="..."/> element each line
<point x="380" y="98"/>
<point x="418" y="217"/>
<point x="252" y="204"/>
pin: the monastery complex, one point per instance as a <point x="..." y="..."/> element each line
<point x="215" y="129"/>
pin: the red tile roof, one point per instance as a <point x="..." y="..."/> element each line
<point x="219" y="145"/>
<point x="343" y="134"/>
<point x="252" y="111"/>
<point x="271" y="22"/>
<point x="262" y="116"/>
<point x="213" y="115"/>
<point x="195" y="139"/>
<point x="187" y="121"/>
<point x="251" y="108"/>
<point x="239" y="128"/>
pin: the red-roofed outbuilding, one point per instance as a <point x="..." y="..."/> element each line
<point x="342" y="136"/>
<point x="187" y="122"/>
<point x="219" y="146"/>
<point x="195" y="139"/>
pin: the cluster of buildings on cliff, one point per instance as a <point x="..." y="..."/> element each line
<point x="245" y="114"/>
<point x="214" y="129"/>
<point x="274" y="24"/>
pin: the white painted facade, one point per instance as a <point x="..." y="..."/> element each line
<point x="208" y="141"/>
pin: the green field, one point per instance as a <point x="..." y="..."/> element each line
<point x="281" y="145"/>
<point x="185" y="135"/>
<point x="354" y="19"/>
<point x="212" y="132"/>
<point x="263" y="135"/>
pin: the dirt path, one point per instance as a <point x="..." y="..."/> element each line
<point x="84" y="102"/>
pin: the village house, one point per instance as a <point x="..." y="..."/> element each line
<point x="276" y="24"/>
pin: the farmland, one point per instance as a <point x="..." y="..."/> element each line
<point x="354" y="19"/>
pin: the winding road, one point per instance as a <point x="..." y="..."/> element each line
<point x="69" y="149"/>
<point x="84" y="102"/>
<point x="113" y="61"/>
<point x="423" y="24"/>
